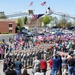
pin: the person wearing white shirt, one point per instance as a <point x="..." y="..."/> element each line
<point x="36" y="65"/>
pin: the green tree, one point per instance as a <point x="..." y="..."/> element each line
<point x="19" y="22"/>
<point x="46" y="20"/>
<point x="69" y="24"/>
<point x="2" y="15"/>
<point x="54" y="21"/>
<point x="73" y="24"/>
<point x="63" y="22"/>
<point x="17" y="29"/>
<point x="25" y="20"/>
<point x="19" y="25"/>
<point x="30" y="12"/>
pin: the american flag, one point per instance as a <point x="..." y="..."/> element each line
<point x="31" y="4"/>
<point x="43" y="3"/>
<point x="35" y="17"/>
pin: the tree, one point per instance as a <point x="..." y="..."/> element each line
<point x="17" y="29"/>
<point x="73" y="24"/>
<point x="19" y="25"/>
<point x="63" y="22"/>
<point x="30" y="12"/>
<point x="69" y="24"/>
<point x="54" y="21"/>
<point x="46" y="20"/>
<point x="2" y="15"/>
<point x="19" y="22"/>
<point x="25" y="20"/>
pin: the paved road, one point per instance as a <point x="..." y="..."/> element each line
<point x="6" y="36"/>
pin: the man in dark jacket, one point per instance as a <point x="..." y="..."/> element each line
<point x="71" y="64"/>
<point x="55" y="65"/>
<point x="18" y="65"/>
<point x="60" y="65"/>
<point x="5" y="65"/>
<point x="11" y="71"/>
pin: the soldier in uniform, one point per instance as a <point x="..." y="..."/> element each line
<point x="30" y="59"/>
<point x="24" y="58"/>
<point x="39" y="54"/>
<point x="17" y="54"/>
<point x="7" y="55"/>
<point x="42" y="53"/>
<point x="36" y="54"/>
<point x="33" y="55"/>
<point x="20" y="56"/>
<point x="36" y="65"/>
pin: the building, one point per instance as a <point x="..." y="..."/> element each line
<point x="7" y="26"/>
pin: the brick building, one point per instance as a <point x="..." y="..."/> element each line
<point x="7" y="26"/>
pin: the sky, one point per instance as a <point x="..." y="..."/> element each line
<point x="12" y="6"/>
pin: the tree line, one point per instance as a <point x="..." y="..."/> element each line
<point x="45" y="20"/>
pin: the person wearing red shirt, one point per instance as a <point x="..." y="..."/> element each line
<point x="50" y="65"/>
<point x="43" y="66"/>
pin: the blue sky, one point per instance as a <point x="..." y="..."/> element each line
<point x="11" y="6"/>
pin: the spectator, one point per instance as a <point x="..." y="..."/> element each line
<point x="60" y="65"/>
<point x="64" y="64"/>
<point x="1" y="52"/>
<point x="11" y="71"/>
<point x="18" y="65"/>
<point x="55" y="65"/>
<point x="71" y="64"/>
<point x="10" y="61"/>
<point x="43" y="66"/>
<point x="5" y="66"/>
<point x="50" y="65"/>
<point x="36" y="65"/>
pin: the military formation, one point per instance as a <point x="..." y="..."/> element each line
<point x="27" y="57"/>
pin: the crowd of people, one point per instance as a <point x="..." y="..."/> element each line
<point x="10" y="69"/>
<point x="61" y="64"/>
<point x="37" y="52"/>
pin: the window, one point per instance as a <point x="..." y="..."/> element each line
<point x="10" y="31"/>
<point x="10" y="25"/>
